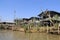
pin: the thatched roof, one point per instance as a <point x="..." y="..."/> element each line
<point x="26" y="19"/>
<point x="47" y="12"/>
<point x="34" y="18"/>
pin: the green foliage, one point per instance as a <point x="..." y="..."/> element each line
<point x="56" y="16"/>
<point x="56" y="25"/>
<point x="2" y="27"/>
<point x="32" y="24"/>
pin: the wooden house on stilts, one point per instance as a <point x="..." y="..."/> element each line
<point x="50" y="18"/>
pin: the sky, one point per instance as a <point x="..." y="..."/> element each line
<point x="25" y="8"/>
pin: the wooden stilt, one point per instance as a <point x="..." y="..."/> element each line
<point x="58" y="30"/>
<point x="47" y="28"/>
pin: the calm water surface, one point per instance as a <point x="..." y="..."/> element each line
<point x="10" y="35"/>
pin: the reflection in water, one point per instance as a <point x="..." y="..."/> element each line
<point x="10" y="35"/>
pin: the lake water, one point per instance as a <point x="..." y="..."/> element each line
<point x="10" y="35"/>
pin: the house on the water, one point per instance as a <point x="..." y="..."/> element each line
<point x="49" y="18"/>
<point x="27" y="21"/>
<point x="7" y="25"/>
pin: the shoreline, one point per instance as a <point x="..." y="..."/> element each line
<point x="33" y="30"/>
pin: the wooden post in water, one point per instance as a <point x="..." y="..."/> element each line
<point x="47" y="28"/>
<point x="58" y="28"/>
